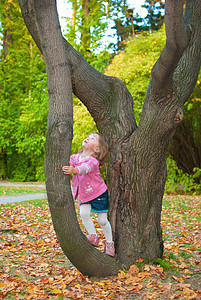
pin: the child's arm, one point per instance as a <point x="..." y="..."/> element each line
<point x="88" y="166"/>
<point x="69" y="169"/>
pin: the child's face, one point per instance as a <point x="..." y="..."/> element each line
<point x="91" y="143"/>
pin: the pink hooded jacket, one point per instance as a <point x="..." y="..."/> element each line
<point x="87" y="183"/>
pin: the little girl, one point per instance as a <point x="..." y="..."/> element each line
<point x="88" y="184"/>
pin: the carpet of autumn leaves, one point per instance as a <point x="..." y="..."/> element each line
<point x="32" y="264"/>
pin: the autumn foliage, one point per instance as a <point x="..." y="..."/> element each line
<point x="32" y="264"/>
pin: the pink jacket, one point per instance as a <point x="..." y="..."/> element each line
<point x="87" y="183"/>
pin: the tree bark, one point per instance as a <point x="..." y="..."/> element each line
<point x="136" y="169"/>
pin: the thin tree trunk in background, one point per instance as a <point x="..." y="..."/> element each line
<point x="6" y="37"/>
<point x="31" y="56"/>
<point x="73" y="20"/>
<point x="85" y="35"/>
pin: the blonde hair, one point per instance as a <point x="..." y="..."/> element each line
<point x="103" y="146"/>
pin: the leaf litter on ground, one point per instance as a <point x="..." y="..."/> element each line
<point x="33" y="266"/>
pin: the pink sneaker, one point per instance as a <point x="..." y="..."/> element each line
<point x="93" y="239"/>
<point x="109" y="250"/>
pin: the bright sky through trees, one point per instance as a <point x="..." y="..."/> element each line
<point x="64" y="10"/>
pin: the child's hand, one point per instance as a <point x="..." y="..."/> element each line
<point x="69" y="169"/>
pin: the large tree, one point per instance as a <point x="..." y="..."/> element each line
<point x="136" y="167"/>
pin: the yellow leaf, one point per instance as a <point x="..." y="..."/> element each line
<point x="187" y="271"/>
<point x="132" y="280"/>
<point x="177" y="278"/>
<point x="101" y="284"/>
<point x="32" y="288"/>
<point x="122" y="275"/>
<point x="144" y="274"/>
<point x="63" y="285"/>
<point x="108" y="282"/>
<point x="57" y="291"/>
<point x="78" y="286"/>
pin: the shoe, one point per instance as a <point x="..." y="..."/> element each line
<point x="93" y="239"/>
<point x="109" y="249"/>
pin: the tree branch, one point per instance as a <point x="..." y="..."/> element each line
<point x="177" y="39"/>
<point x="186" y="73"/>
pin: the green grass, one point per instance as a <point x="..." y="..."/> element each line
<point x="20" y="190"/>
<point x="37" y="202"/>
<point x="28" y="203"/>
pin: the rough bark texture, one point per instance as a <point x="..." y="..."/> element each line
<point x="136" y="171"/>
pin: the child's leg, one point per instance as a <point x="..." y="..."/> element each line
<point x="107" y="230"/>
<point x="106" y="227"/>
<point x="85" y="211"/>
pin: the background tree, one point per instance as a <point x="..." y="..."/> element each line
<point x="89" y="21"/>
<point x="137" y="160"/>
<point x="155" y="13"/>
<point x="185" y="146"/>
<point x="126" y="26"/>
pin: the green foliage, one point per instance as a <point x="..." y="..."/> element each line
<point x="86" y="27"/>
<point x="83" y="124"/>
<point x="24" y="103"/>
<point x="155" y="13"/>
<point x="102" y="60"/>
<point x="163" y="263"/>
<point x="23" y="100"/>
<point x="178" y="181"/>
<point x="88" y="24"/>
<point x="5" y="190"/>
<point x="133" y="66"/>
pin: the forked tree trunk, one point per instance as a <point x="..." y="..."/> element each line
<point x="136" y="169"/>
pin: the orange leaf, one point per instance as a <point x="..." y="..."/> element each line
<point x="160" y="269"/>
<point x="134" y="269"/>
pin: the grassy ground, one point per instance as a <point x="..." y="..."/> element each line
<point x="32" y="264"/>
<point x="20" y="190"/>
